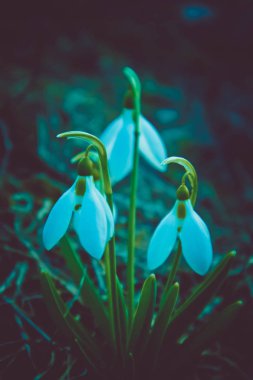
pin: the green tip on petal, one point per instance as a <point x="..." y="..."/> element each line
<point x="80" y="187"/>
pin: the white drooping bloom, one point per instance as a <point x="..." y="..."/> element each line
<point x="92" y="217"/>
<point x="118" y="139"/>
<point x="185" y="224"/>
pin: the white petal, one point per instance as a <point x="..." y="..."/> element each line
<point x="110" y="133"/>
<point x="151" y="145"/>
<point x="90" y="223"/>
<point x="114" y="212"/>
<point x="108" y="213"/>
<point x="162" y="241"/>
<point x="196" y="242"/>
<point x="59" y="218"/>
<point x="119" y="146"/>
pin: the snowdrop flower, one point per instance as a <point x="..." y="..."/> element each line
<point x="118" y="139"/>
<point x="92" y="217"/>
<point x="182" y="223"/>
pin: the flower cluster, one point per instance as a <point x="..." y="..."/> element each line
<point x="92" y="217"/>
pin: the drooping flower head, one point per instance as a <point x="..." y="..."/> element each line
<point x="118" y="139"/>
<point x="184" y="224"/>
<point x="92" y="217"/>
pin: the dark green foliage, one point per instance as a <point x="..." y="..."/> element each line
<point x="152" y="345"/>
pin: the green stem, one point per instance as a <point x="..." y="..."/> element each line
<point x="110" y="263"/>
<point x="113" y="306"/>
<point x="172" y="274"/>
<point x="131" y="233"/>
<point x="130" y="273"/>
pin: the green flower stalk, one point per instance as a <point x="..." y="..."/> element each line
<point x="136" y="91"/>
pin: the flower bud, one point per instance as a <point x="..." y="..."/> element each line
<point x="84" y="167"/>
<point x="183" y="193"/>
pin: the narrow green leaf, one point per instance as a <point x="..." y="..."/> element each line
<point x="88" y="292"/>
<point x="72" y="259"/>
<point x="217" y="324"/>
<point x="202" y="338"/>
<point x="72" y="328"/>
<point x="194" y="304"/>
<point x="162" y="320"/>
<point x="143" y="316"/>
<point x="91" y="298"/>
<point x="219" y="273"/>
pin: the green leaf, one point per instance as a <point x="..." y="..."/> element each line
<point x="72" y="328"/>
<point x="143" y="316"/>
<point x="72" y="259"/>
<point x="202" y="338"/>
<point x="217" y="324"/>
<point x="162" y="321"/>
<point x="91" y="299"/>
<point x="88" y="292"/>
<point x="194" y="304"/>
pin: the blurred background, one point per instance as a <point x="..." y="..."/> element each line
<point x="61" y="69"/>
